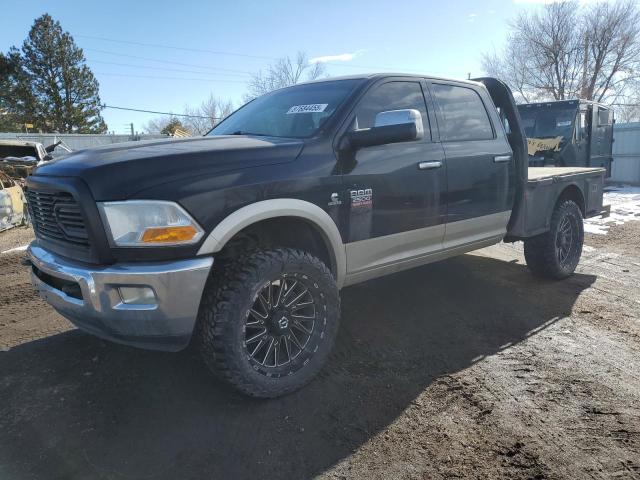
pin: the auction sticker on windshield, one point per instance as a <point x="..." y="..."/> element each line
<point x="313" y="108"/>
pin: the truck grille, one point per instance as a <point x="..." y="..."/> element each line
<point x="57" y="216"/>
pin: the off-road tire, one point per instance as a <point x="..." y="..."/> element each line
<point x="229" y="295"/>
<point x="541" y="252"/>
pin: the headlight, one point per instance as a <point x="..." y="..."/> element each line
<point x="148" y="223"/>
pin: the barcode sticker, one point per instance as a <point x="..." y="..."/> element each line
<point x="313" y="108"/>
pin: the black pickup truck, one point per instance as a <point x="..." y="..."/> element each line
<point x="240" y="241"/>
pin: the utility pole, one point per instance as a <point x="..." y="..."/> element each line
<point x="584" y="90"/>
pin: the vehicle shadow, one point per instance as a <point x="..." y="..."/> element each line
<point x="72" y="406"/>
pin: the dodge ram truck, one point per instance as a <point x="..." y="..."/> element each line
<point x="239" y="242"/>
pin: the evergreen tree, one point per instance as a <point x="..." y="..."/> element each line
<point x="11" y="101"/>
<point x="55" y="89"/>
<point x="171" y="127"/>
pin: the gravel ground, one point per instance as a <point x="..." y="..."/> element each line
<point x="468" y="368"/>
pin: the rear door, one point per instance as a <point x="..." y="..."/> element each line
<point x="396" y="192"/>
<point x="601" y="138"/>
<point x="480" y="167"/>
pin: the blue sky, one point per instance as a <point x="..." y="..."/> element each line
<point x="439" y="38"/>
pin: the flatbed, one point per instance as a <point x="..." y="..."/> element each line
<point x="544" y="187"/>
<point x="542" y="173"/>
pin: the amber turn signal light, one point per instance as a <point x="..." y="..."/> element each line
<point x="169" y="234"/>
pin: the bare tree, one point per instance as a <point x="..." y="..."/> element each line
<point x="567" y="51"/>
<point x="156" y="125"/>
<point x="612" y="44"/>
<point x="628" y="108"/>
<point x="200" y="119"/>
<point x="628" y="112"/>
<point x="283" y="73"/>
<point x="207" y="115"/>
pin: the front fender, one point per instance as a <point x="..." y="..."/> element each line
<point x="274" y="208"/>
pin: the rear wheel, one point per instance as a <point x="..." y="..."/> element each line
<point x="556" y="253"/>
<point x="268" y="322"/>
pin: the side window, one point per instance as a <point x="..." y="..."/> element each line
<point x="462" y="114"/>
<point x="391" y="96"/>
<point x="604" y="117"/>
<point x="581" y="126"/>
<point x="504" y="120"/>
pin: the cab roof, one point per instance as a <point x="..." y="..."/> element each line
<point x="375" y="76"/>
<point x="19" y="143"/>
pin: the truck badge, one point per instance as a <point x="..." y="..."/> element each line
<point x="335" y="199"/>
<point x="362" y="198"/>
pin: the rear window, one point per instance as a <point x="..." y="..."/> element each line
<point x="462" y="114"/>
<point x="17" y="151"/>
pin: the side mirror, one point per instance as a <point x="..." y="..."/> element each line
<point x="393" y="126"/>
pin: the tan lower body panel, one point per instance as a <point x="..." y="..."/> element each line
<point x="368" y="259"/>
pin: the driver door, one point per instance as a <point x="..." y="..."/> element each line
<point x="396" y="192"/>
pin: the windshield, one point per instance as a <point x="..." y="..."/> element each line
<point x="547" y="121"/>
<point x="18" y="151"/>
<point x="296" y="112"/>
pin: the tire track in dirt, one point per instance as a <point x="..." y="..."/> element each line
<point x="468" y="368"/>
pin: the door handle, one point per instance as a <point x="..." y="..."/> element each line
<point x="502" y="158"/>
<point x="429" y="165"/>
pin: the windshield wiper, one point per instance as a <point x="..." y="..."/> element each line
<point x="240" y="132"/>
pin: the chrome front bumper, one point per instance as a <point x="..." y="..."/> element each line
<point x="90" y="297"/>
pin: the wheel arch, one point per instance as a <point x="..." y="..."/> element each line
<point x="297" y="209"/>
<point x="572" y="192"/>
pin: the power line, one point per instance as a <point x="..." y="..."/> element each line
<point x="159" y="113"/>
<point x="220" y="52"/>
<point x="187" y="49"/>
<point x="155" y="77"/>
<point x="163" y="68"/>
<point x="136" y="57"/>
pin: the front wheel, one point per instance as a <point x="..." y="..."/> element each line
<point x="268" y="323"/>
<point x="556" y="253"/>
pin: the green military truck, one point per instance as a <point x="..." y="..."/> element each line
<point x="568" y="133"/>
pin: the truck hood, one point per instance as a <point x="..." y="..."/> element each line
<point x="119" y="171"/>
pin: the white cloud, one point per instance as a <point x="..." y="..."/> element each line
<point x="540" y="2"/>
<point x="549" y="2"/>
<point x="471" y="17"/>
<point x="342" y="57"/>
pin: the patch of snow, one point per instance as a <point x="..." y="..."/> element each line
<point x="625" y="207"/>
<point x="587" y="248"/>
<point x="594" y="228"/>
<point x="17" y="249"/>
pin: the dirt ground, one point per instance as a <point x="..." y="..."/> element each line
<point x="468" y="368"/>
